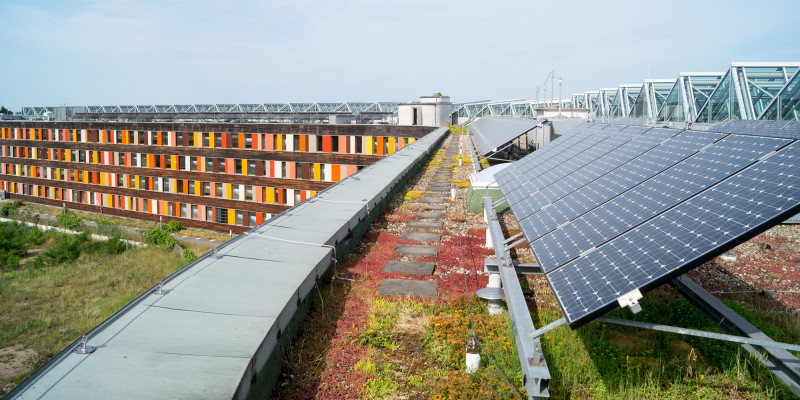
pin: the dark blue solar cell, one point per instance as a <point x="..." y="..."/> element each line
<point x="682" y="237"/>
<point x="625" y="177"/>
<point x="652" y="197"/>
<point x="519" y="173"/>
<point x="533" y="178"/>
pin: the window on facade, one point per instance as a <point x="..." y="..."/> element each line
<point x="248" y="193"/>
<point x="191" y="138"/>
<point x="153" y="138"/>
<point x="209" y="213"/>
<point x="359" y="144"/>
<point x="219" y="189"/>
<point x="319" y="142"/>
<point x="178" y="139"/>
<point x="296" y="140"/>
<point x="251" y="216"/>
<point x="235" y="140"/>
<point x="184" y="210"/>
<point x="284" y="169"/>
<point x="178" y="185"/>
<point x="298" y="170"/>
<point x="194" y="211"/>
<point x="81" y="156"/>
<point x="218" y="140"/>
<point x="191" y="187"/>
<point x="322" y="176"/>
<point x="222" y="215"/>
<point x="207" y="188"/>
<point x="167" y="162"/>
<point x="182" y="162"/>
<point x="236" y="191"/>
<point x="297" y="197"/>
<point x="206" y="140"/>
<point x="209" y="164"/>
<point x="335" y="144"/>
<point x="251" y="167"/>
<point x="248" y="141"/>
<point x="237" y="165"/>
<point x="193" y="164"/>
<point x="239" y="217"/>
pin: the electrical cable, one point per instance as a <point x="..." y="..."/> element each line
<point x="469" y="307"/>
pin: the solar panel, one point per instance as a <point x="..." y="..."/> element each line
<point x="629" y="208"/>
<point x="691" y="233"/>
<point x="492" y="133"/>
<point x="665" y="190"/>
<point x="618" y="181"/>
<point x="523" y="174"/>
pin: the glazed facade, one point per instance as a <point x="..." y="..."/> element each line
<point x="215" y="176"/>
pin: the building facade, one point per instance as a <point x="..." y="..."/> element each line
<point x="208" y="175"/>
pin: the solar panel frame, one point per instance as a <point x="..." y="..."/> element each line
<point x="492" y="133"/>
<point x="663" y="234"/>
<point x="628" y="175"/>
<point x="652" y="197"/>
<point x="744" y="163"/>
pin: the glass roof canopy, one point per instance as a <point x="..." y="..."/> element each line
<point x="786" y="105"/>
<point x="520" y="108"/>
<point x="602" y="107"/>
<point x="690" y="91"/>
<point x="354" y="108"/>
<point x="623" y="102"/>
<point x="746" y="90"/>
<point x="651" y="97"/>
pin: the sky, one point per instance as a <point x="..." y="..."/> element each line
<point x="108" y="52"/>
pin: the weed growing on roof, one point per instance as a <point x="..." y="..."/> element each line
<point x="609" y="361"/>
<point x="412" y="195"/>
<point x="445" y="342"/>
<point x="382" y="383"/>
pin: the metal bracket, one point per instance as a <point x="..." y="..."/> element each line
<point x="498" y="203"/>
<point x="512" y="237"/>
<point x="490" y="265"/>
<point x="699" y="333"/>
<point x="547" y="328"/>
<point x="512" y="245"/>
<point x="783" y="364"/>
<point x="535" y="374"/>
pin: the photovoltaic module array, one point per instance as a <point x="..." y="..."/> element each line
<point x="492" y="133"/>
<point x="612" y="208"/>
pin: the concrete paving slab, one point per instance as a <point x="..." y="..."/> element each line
<point x="430" y="215"/>
<point x="416" y="250"/>
<point x="425" y="224"/>
<point x="436" y="207"/>
<point x="435" y="192"/>
<point x="422" y="236"/>
<point x="432" y="200"/>
<point x="403" y="287"/>
<point x="409" y="267"/>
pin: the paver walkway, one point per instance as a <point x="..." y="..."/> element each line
<point x="435" y="199"/>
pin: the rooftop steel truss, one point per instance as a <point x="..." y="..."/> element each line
<point x="746" y="90"/>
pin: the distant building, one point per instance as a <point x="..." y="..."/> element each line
<point x="430" y="111"/>
<point x="218" y="176"/>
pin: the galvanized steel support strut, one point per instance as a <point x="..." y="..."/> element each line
<point x="535" y="375"/>
<point x="779" y="361"/>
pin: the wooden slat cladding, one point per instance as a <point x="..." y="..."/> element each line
<point x="284" y="183"/>
<point x="187" y="222"/>
<point x="147" y="194"/>
<point x="249" y="154"/>
<point x="283" y="129"/>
